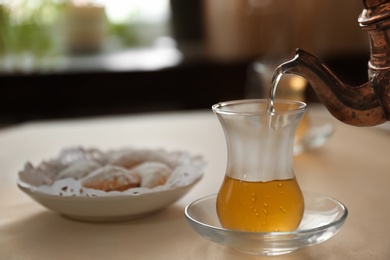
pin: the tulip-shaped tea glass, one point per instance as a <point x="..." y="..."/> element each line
<point x="260" y="192"/>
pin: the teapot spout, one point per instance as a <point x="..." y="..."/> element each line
<point x="354" y="105"/>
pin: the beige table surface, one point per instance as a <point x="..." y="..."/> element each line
<point x="353" y="167"/>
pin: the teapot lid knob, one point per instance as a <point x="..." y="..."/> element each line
<point x="374" y="11"/>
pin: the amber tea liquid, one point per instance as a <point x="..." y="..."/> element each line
<point x="260" y="206"/>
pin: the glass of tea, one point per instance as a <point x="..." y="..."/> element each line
<point x="260" y="192"/>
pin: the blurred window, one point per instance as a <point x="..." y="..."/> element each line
<point x="38" y="33"/>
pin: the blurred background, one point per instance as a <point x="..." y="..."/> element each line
<point x="69" y="59"/>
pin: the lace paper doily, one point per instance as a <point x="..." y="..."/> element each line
<point x="185" y="170"/>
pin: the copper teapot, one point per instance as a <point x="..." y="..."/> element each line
<point x="365" y="105"/>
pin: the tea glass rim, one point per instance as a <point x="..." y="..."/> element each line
<point x="221" y="107"/>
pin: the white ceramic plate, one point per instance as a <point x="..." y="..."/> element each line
<point x="384" y="126"/>
<point x="108" y="208"/>
<point x="67" y="195"/>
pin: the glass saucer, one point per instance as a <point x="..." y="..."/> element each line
<point x="323" y="218"/>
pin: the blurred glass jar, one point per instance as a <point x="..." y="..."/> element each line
<point x="85" y="26"/>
